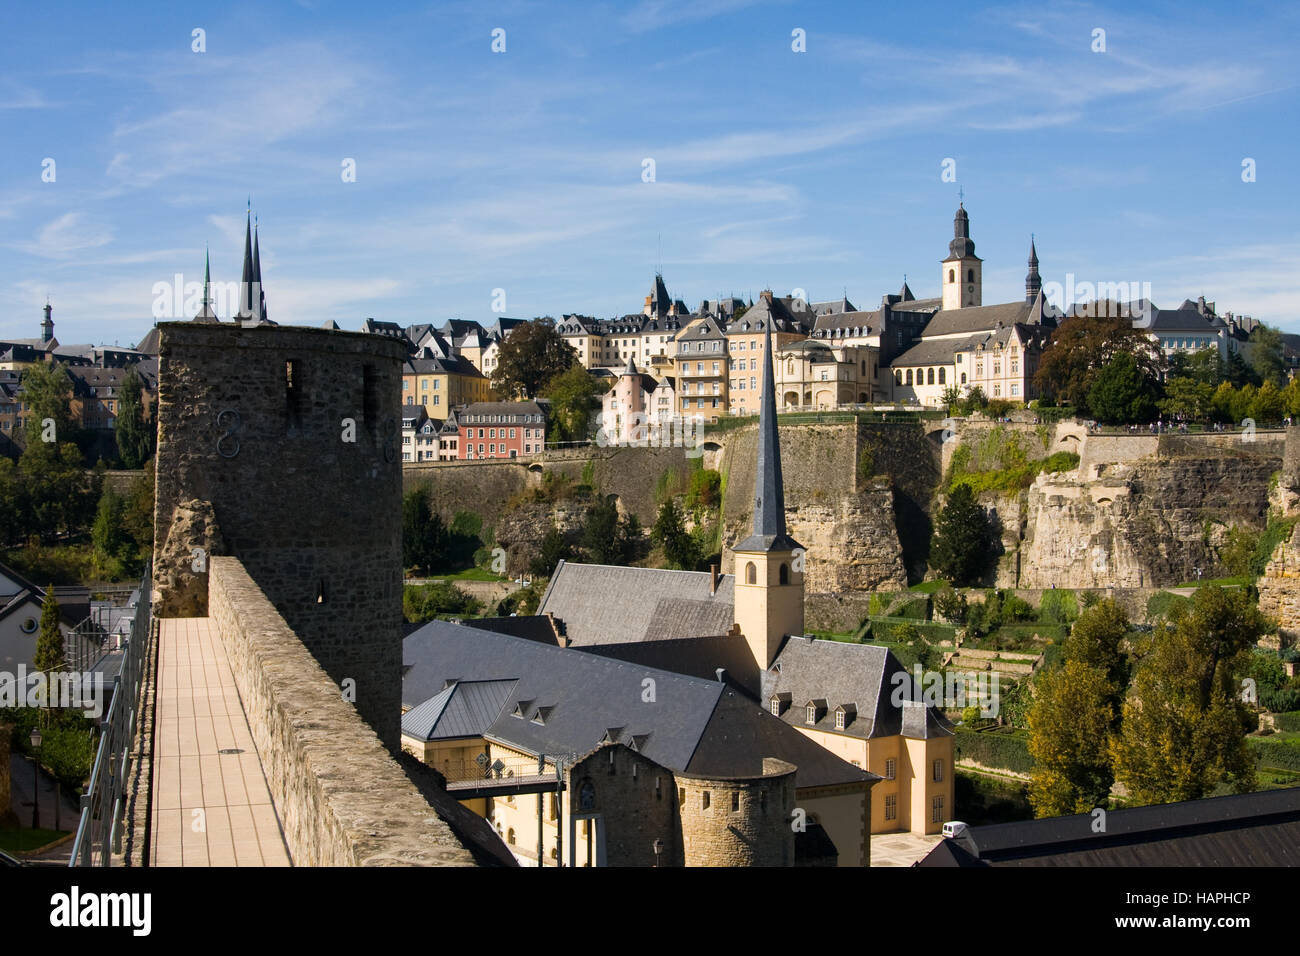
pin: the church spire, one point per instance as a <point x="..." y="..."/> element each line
<point x="205" y="313"/>
<point x="246" y="279"/>
<point x="1033" y="282"/>
<point x="769" y="532"/>
<point x="260" y="312"/>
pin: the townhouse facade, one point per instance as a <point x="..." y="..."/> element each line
<point x="494" y="430"/>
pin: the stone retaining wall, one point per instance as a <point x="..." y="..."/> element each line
<point x="342" y="799"/>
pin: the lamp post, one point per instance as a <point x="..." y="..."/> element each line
<point x="36" y="778"/>
<point x="658" y="848"/>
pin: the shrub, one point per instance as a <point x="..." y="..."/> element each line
<point x="1289" y="721"/>
<point x="1275" y="753"/>
<point x="1163" y="603"/>
<point x="1057" y="607"/>
<point x="950" y="604"/>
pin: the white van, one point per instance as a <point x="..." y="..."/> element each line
<point x="953" y="829"/>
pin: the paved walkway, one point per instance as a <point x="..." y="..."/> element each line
<point x="901" y="849"/>
<point x="210" y="808"/>
<point x="20" y="797"/>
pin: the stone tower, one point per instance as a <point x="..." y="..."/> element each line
<point x="281" y="446"/>
<point x="769" y="579"/>
<point x="47" y="326"/>
<point x="960" y="272"/>
<point x="1033" y="282"/>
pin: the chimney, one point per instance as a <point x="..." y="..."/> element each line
<point x="766" y="294"/>
<point x="721" y="674"/>
<point x="713" y="579"/>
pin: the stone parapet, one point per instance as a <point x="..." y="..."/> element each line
<point x="341" y="797"/>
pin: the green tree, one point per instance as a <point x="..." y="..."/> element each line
<point x="669" y="532"/>
<point x="424" y="538"/>
<point x="555" y="548"/>
<point x="114" y="551"/>
<point x="51" y="654"/>
<point x="1265" y="356"/>
<point x="962" y="539"/>
<point x="135" y="436"/>
<point x="1187" y="398"/>
<point x="1082" y="346"/>
<point x="57" y="496"/>
<point x="46" y="390"/>
<point x="1183" y="726"/>
<point x="529" y="357"/>
<point x="12" y="517"/>
<point x="601" y="537"/>
<point x="574" y="395"/>
<point x="1121" y="392"/>
<point x="1069" y="728"/>
<point x="137" y="517"/>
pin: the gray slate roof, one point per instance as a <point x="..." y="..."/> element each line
<point x="465" y="709"/>
<point x="605" y="604"/>
<point x="978" y="318"/>
<point x="863" y="675"/>
<point x="693" y="726"/>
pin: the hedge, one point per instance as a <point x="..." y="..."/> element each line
<point x="1276" y="754"/>
<point x="1289" y="721"/>
<point x="999" y="751"/>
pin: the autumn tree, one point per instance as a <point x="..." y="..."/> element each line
<point x="1183" y="725"/>
<point x="1069" y="731"/>
<point x="1082" y="346"/>
<point x="529" y="357"/>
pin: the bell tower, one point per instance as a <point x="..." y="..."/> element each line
<point x="961" y="271"/>
<point x="769" y="563"/>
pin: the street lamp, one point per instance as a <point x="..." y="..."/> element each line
<point x="658" y="848"/>
<point x="36" y="778"/>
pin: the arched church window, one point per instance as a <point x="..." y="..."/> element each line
<point x="784" y="574"/>
<point x="970" y="275"/>
<point x="909" y="376"/>
<point x="751" y="573"/>
<point x="952" y="275"/>
<point x="943" y="377"/>
<point x="929" y="376"/>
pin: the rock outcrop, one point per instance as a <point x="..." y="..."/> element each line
<point x="1279" y="590"/>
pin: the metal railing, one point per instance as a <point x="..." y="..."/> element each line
<point x="99" y="830"/>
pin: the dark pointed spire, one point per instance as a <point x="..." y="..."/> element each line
<point x="1033" y="282"/>
<point x="257" y="277"/>
<point x="769" y="532"/>
<point x="205" y="313"/>
<point x="246" y="278"/>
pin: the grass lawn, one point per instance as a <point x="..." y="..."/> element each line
<point x="469" y="574"/>
<point x="927" y="587"/>
<point x="25" y="840"/>
<point x="1240" y="581"/>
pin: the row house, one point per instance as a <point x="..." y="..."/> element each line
<point x="811" y="375"/>
<point x="789" y="320"/>
<point x="421" y="435"/>
<point x="702" y="369"/>
<point x="501" y="430"/>
<point x="440" y="384"/>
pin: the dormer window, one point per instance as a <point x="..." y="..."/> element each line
<point x="811" y="714"/>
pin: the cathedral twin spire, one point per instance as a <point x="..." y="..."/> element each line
<point x="252" y="300"/>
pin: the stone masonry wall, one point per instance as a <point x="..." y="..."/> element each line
<point x="633" y="811"/>
<point x="252" y="421"/>
<point x="1279" y="589"/>
<point x="757" y="834"/>
<point x="341" y="797"/>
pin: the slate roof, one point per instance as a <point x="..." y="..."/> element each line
<point x="864" y="675"/>
<point x="774" y="313"/>
<point x="869" y="322"/>
<point x="978" y="318"/>
<point x="530" y="627"/>
<point x="1249" y="829"/>
<point x="1185" y="320"/>
<point x="508" y="411"/>
<point x="694" y="726"/>
<point x="839" y="305"/>
<point x="606" y="604"/>
<point x="466" y="708"/>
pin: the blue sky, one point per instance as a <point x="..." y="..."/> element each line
<point x="522" y="170"/>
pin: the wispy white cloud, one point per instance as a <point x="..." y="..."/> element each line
<point x="70" y="234"/>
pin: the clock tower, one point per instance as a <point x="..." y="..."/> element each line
<point x="960" y="278"/>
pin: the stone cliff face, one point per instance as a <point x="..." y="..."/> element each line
<point x="1279" y="589"/>
<point x="845" y="519"/>
<point x="1151" y="523"/>
<point x="520" y="531"/>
